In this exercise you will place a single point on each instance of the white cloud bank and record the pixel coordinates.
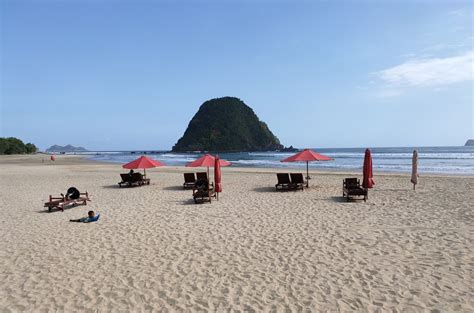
(431, 72)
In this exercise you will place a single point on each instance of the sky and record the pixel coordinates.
(126, 75)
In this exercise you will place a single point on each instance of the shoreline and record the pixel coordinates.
(67, 159)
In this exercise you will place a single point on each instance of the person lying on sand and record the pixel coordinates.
(90, 218)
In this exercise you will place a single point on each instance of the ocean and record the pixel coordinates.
(443, 160)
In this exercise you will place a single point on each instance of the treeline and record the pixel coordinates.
(14, 145)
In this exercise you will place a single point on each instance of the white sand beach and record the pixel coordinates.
(253, 250)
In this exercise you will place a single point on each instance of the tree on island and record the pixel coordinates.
(12, 145)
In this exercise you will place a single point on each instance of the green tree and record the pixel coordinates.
(14, 145)
(3, 145)
(31, 148)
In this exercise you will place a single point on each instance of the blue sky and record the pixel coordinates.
(118, 75)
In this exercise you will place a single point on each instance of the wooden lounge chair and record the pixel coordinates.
(138, 178)
(64, 201)
(297, 181)
(203, 191)
(351, 188)
(135, 179)
(202, 175)
(189, 180)
(126, 179)
(284, 182)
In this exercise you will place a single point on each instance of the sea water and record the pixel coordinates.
(448, 160)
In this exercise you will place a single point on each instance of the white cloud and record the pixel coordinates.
(430, 71)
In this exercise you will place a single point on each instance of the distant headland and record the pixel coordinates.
(227, 124)
(67, 148)
(469, 142)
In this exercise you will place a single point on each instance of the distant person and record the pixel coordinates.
(53, 158)
(90, 218)
(130, 173)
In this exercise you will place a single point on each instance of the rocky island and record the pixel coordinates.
(68, 148)
(470, 142)
(226, 124)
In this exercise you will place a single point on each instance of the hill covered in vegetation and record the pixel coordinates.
(227, 124)
(68, 148)
(14, 145)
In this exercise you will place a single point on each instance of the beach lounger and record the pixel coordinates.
(136, 179)
(202, 175)
(126, 178)
(203, 191)
(63, 201)
(189, 180)
(297, 181)
(351, 188)
(284, 182)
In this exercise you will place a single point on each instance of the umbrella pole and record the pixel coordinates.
(307, 174)
(144, 172)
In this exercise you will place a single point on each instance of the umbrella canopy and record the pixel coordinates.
(414, 169)
(217, 176)
(368, 182)
(142, 162)
(207, 160)
(307, 155)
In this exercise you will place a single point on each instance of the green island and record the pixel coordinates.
(227, 124)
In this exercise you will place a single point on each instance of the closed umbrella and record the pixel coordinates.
(368, 182)
(414, 169)
(306, 156)
(207, 160)
(143, 162)
(217, 176)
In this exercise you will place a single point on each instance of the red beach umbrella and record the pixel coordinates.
(143, 162)
(207, 160)
(217, 176)
(307, 156)
(368, 182)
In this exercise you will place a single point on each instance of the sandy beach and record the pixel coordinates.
(253, 250)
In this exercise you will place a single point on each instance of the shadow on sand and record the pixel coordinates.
(191, 202)
(339, 199)
(54, 210)
(264, 189)
(342, 199)
(175, 188)
(115, 186)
